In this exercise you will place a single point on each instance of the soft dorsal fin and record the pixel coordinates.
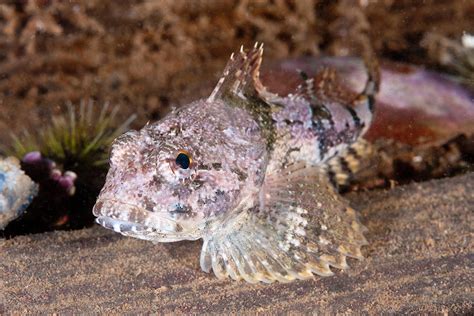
(241, 75)
(325, 86)
(299, 226)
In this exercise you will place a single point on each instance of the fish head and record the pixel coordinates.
(174, 179)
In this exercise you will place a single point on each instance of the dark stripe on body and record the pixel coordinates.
(261, 111)
(354, 116)
(371, 101)
(345, 166)
(320, 114)
(351, 151)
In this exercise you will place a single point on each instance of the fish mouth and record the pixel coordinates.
(120, 226)
(131, 220)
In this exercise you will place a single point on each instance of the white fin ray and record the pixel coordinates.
(298, 227)
(241, 77)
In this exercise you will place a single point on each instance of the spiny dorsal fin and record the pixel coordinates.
(241, 75)
(299, 226)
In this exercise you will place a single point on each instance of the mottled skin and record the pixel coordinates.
(414, 105)
(257, 188)
(314, 126)
(228, 156)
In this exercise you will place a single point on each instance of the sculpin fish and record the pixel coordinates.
(248, 171)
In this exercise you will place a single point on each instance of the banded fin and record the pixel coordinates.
(298, 227)
(327, 88)
(324, 87)
(344, 167)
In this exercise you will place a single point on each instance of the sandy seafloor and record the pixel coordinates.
(420, 260)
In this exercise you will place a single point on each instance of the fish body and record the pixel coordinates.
(247, 171)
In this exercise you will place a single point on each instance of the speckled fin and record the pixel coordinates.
(300, 227)
(326, 87)
(241, 77)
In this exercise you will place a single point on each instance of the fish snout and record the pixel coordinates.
(134, 220)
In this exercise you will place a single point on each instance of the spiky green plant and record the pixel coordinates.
(82, 136)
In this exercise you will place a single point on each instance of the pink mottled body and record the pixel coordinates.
(414, 106)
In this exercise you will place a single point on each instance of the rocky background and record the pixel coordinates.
(148, 55)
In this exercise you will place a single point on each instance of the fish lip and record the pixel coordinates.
(134, 221)
(114, 214)
(135, 230)
(120, 226)
(107, 207)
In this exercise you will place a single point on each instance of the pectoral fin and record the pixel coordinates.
(298, 227)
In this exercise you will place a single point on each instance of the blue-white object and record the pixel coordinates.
(17, 190)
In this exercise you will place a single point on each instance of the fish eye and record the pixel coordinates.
(183, 159)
